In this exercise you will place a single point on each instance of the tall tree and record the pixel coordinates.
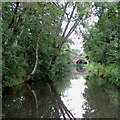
(34, 40)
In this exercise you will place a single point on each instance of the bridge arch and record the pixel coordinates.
(80, 73)
(75, 59)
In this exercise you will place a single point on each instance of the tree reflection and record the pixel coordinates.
(101, 101)
(61, 107)
(35, 101)
(80, 69)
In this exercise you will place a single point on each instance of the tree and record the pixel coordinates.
(34, 42)
(101, 44)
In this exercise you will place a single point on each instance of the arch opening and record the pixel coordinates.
(80, 58)
(80, 68)
(81, 61)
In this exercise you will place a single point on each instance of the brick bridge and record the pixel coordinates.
(75, 59)
(80, 58)
(80, 73)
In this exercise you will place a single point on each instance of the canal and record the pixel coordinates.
(84, 96)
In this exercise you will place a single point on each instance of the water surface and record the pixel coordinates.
(80, 99)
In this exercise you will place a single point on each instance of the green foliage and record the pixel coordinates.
(101, 43)
(110, 73)
(63, 66)
(76, 52)
(39, 21)
(28, 25)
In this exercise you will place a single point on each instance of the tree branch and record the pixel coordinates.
(63, 16)
(63, 35)
(69, 21)
(72, 29)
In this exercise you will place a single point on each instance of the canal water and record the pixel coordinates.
(82, 97)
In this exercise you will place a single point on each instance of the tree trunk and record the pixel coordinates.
(54, 59)
(36, 62)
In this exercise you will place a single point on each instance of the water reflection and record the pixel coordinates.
(80, 69)
(90, 98)
(35, 103)
(73, 97)
(80, 73)
(101, 99)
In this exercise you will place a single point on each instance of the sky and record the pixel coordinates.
(78, 39)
